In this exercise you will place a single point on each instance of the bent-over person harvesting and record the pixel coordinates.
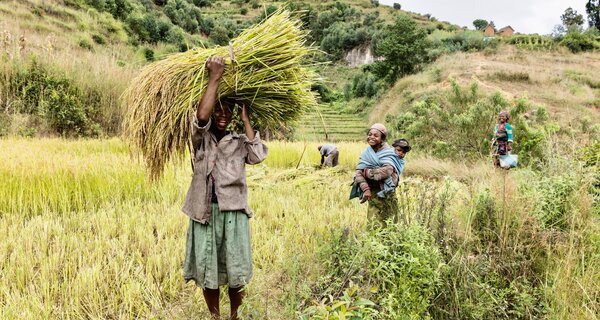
(218, 248)
(329, 155)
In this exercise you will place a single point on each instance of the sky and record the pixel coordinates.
(525, 16)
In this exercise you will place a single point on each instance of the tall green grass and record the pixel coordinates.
(84, 234)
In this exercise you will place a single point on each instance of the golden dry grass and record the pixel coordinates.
(84, 234)
(551, 84)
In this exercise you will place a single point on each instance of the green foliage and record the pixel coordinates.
(343, 36)
(583, 79)
(571, 18)
(269, 10)
(553, 208)
(397, 6)
(202, 3)
(459, 123)
(119, 9)
(149, 54)
(404, 262)
(400, 263)
(496, 271)
(404, 47)
(480, 24)
(531, 42)
(592, 7)
(85, 44)
(474, 288)
(349, 306)
(364, 85)
(591, 158)
(464, 40)
(485, 218)
(4, 124)
(578, 41)
(148, 27)
(99, 39)
(220, 35)
(184, 14)
(326, 94)
(66, 108)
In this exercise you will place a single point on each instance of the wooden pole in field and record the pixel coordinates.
(301, 156)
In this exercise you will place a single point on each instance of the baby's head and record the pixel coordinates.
(401, 147)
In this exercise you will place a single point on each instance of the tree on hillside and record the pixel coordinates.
(593, 10)
(571, 19)
(403, 46)
(480, 24)
(397, 6)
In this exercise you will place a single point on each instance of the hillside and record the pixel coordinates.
(565, 83)
(98, 47)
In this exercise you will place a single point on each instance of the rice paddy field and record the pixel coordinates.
(84, 234)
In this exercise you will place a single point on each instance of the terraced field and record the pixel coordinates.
(330, 125)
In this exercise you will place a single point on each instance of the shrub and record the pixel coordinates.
(184, 14)
(404, 47)
(465, 40)
(99, 39)
(85, 44)
(531, 42)
(364, 85)
(553, 206)
(400, 263)
(244, 11)
(4, 124)
(341, 37)
(459, 123)
(149, 54)
(65, 107)
(148, 27)
(220, 35)
(579, 41)
(404, 265)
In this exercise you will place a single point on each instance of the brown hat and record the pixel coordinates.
(380, 127)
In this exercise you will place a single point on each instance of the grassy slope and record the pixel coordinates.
(53, 31)
(557, 81)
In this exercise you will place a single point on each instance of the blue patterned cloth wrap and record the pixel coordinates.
(371, 159)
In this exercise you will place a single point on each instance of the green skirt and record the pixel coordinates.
(382, 209)
(219, 252)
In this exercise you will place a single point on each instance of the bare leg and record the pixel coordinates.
(211, 296)
(236, 295)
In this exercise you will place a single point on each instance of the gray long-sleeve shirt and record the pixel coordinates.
(223, 164)
(326, 149)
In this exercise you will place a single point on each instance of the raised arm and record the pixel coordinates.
(247, 125)
(215, 67)
(257, 151)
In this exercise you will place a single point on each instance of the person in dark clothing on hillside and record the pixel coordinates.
(503, 137)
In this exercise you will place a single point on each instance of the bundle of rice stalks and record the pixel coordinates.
(266, 71)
